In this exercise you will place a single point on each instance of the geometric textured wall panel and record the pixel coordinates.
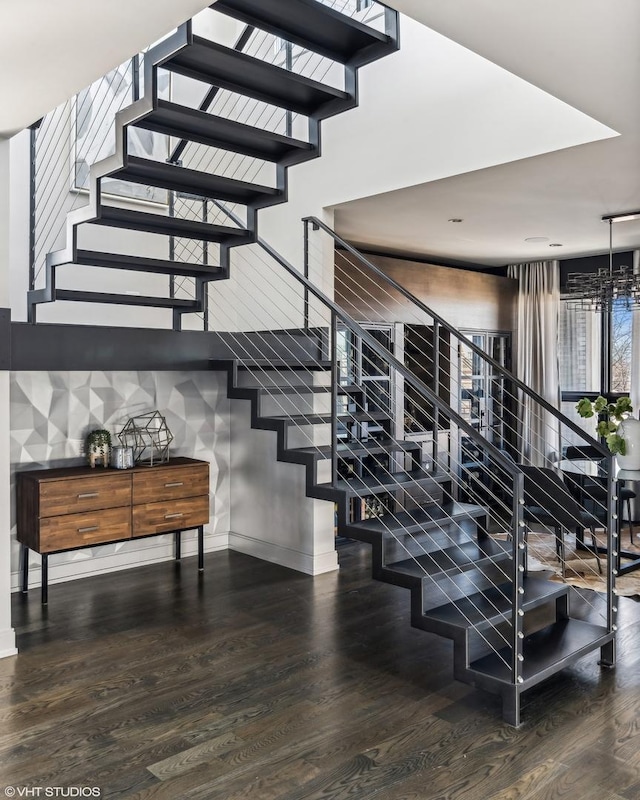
(51, 413)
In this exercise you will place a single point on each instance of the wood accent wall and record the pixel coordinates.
(467, 299)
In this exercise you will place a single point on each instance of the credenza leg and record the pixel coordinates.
(201, 548)
(45, 579)
(24, 555)
(177, 538)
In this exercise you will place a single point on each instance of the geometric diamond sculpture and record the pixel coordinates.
(149, 436)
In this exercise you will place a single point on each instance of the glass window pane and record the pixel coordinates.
(621, 324)
(579, 349)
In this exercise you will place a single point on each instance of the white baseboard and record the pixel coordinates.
(284, 556)
(8, 643)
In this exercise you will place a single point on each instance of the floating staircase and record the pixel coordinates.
(319, 29)
(466, 576)
(439, 550)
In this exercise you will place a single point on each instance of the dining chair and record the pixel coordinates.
(548, 502)
(594, 488)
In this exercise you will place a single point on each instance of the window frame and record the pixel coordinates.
(606, 339)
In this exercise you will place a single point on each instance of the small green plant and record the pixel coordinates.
(610, 415)
(97, 445)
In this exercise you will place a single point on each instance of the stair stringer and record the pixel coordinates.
(419, 615)
(116, 163)
(344, 528)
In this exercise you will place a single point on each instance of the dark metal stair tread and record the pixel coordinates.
(266, 391)
(243, 74)
(451, 559)
(492, 605)
(424, 517)
(360, 448)
(126, 299)
(301, 419)
(199, 126)
(141, 264)
(307, 23)
(170, 176)
(545, 652)
(159, 223)
(269, 364)
(371, 485)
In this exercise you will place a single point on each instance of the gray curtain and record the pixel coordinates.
(537, 359)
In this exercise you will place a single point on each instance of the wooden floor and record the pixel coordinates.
(258, 682)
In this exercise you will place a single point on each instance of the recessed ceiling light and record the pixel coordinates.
(456, 219)
(555, 244)
(537, 239)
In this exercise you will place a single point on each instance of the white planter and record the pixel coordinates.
(630, 432)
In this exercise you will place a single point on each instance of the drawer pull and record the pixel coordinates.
(87, 495)
(172, 485)
(172, 516)
(90, 529)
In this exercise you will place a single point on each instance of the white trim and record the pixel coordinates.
(284, 556)
(8, 643)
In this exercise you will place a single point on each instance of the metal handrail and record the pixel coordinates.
(496, 454)
(441, 321)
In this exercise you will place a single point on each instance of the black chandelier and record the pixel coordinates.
(600, 291)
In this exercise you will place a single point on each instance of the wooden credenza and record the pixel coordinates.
(69, 508)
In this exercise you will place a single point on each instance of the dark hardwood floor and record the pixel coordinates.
(257, 682)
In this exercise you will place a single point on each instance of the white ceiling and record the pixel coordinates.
(584, 52)
(587, 54)
(51, 49)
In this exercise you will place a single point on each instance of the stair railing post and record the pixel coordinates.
(519, 559)
(32, 203)
(205, 261)
(436, 389)
(288, 55)
(335, 380)
(614, 515)
(172, 243)
(306, 274)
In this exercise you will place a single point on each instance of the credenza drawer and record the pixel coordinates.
(170, 515)
(84, 494)
(168, 483)
(79, 530)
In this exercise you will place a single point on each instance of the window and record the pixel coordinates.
(594, 355)
(621, 341)
(362, 4)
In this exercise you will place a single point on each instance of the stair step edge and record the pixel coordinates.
(545, 652)
(540, 592)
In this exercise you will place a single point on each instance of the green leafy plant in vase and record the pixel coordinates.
(97, 447)
(610, 417)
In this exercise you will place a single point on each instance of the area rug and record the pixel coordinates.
(581, 566)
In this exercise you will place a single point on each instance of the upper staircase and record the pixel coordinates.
(441, 501)
(333, 42)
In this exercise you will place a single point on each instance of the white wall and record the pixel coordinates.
(51, 413)
(7, 635)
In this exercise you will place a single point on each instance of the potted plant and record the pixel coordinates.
(97, 445)
(616, 426)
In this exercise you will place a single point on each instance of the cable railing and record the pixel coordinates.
(245, 290)
(476, 383)
(64, 144)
